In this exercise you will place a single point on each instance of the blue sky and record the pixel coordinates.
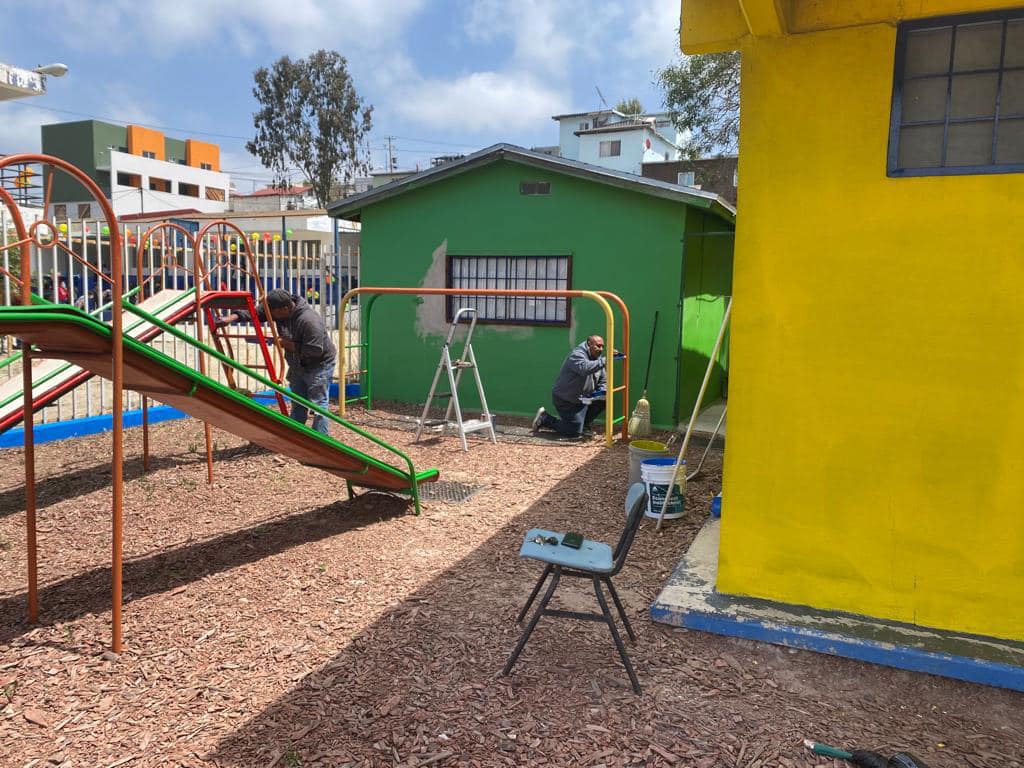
(443, 76)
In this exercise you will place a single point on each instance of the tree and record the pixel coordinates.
(310, 117)
(630, 106)
(702, 95)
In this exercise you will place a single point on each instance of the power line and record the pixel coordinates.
(134, 122)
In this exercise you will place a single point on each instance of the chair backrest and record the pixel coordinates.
(636, 503)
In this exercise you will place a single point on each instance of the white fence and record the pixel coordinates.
(301, 267)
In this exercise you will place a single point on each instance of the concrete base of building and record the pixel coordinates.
(690, 600)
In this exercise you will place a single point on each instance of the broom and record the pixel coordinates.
(640, 421)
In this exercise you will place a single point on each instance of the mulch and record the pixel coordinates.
(270, 621)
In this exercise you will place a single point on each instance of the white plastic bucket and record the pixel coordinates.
(656, 474)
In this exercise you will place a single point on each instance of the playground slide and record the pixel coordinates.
(53, 378)
(65, 333)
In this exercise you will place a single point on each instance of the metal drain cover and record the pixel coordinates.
(449, 490)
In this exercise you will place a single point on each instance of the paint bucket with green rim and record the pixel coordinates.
(639, 450)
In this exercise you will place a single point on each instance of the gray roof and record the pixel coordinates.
(351, 207)
(587, 114)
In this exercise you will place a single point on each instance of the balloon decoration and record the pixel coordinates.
(233, 248)
(276, 237)
(105, 230)
(288, 232)
(266, 237)
(63, 228)
(255, 236)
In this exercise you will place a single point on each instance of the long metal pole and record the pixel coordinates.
(696, 411)
(117, 397)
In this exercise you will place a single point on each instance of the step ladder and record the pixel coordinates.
(454, 369)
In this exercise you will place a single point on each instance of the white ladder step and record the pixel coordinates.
(472, 425)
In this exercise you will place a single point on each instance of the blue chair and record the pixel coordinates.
(593, 560)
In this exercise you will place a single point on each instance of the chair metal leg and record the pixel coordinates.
(533, 623)
(533, 595)
(615, 635)
(618, 605)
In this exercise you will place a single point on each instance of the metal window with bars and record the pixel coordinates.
(958, 96)
(511, 272)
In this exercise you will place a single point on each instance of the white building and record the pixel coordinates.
(615, 140)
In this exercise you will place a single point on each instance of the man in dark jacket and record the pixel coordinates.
(582, 375)
(308, 350)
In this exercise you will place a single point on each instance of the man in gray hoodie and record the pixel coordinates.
(582, 375)
(308, 350)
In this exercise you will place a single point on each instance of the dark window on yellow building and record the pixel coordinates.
(552, 273)
(958, 96)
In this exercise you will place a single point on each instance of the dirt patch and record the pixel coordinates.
(269, 621)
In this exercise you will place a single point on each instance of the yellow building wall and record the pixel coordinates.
(876, 411)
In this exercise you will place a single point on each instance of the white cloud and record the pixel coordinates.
(19, 129)
(481, 101)
(163, 28)
(653, 37)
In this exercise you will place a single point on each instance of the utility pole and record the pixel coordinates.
(392, 160)
(142, 199)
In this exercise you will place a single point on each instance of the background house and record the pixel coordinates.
(876, 425)
(612, 139)
(509, 217)
(712, 174)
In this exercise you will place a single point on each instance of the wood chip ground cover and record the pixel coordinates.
(269, 621)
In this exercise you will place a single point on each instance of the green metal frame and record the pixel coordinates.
(67, 314)
(39, 300)
(95, 314)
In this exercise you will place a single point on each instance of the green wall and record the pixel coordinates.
(706, 288)
(619, 240)
(85, 144)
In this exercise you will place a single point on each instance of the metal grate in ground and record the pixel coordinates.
(449, 490)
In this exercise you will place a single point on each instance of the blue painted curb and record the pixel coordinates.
(899, 656)
(95, 425)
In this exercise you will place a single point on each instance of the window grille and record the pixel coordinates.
(511, 272)
(958, 96)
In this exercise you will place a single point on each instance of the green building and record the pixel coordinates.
(506, 217)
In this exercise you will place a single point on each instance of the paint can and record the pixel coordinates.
(657, 476)
(716, 505)
(640, 450)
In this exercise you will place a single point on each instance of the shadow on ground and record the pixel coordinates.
(89, 592)
(420, 686)
(83, 481)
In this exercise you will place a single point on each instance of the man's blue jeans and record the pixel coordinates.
(314, 385)
(574, 416)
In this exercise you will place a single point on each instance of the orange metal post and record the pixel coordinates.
(26, 386)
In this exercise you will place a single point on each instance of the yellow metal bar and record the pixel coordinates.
(594, 296)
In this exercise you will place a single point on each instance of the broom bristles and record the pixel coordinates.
(640, 421)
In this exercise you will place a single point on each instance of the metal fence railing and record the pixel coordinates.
(301, 267)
